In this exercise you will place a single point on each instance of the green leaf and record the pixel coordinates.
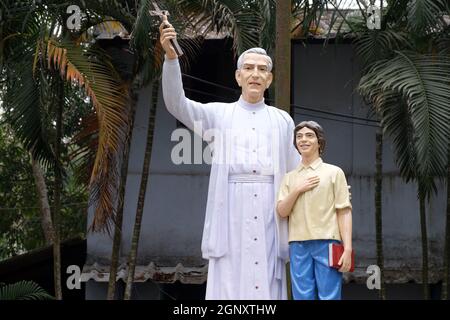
(23, 290)
(373, 45)
(239, 18)
(425, 16)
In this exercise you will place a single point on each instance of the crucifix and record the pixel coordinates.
(160, 13)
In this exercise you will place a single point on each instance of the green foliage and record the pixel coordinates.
(21, 92)
(379, 44)
(17, 189)
(426, 16)
(244, 20)
(143, 42)
(36, 53)
(20, 225)
(407, 79)
(422, 81)
(23, 290)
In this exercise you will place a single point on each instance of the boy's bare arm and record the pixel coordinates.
(345, 228)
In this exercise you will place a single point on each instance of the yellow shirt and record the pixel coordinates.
(314, 213)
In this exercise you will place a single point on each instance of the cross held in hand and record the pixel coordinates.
(158, 11)
(161, 13)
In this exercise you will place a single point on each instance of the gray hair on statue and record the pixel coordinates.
(260, 51)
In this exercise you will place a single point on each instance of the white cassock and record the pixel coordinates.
(244, 239)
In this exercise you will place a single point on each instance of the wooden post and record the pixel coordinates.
(283, 56)
(283, 73)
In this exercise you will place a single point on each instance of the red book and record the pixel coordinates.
(335, 251)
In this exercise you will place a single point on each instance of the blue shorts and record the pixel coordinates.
(311, 277)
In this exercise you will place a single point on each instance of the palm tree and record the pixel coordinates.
(146, 68)
(37, 55)
(46, 217)
(58, 185)
(371, 46)
(406, 82)
(409, 94)
(142, 192)
(378, 210)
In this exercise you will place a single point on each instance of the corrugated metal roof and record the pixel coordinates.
(143, 273)
(110, 30)
(198, 275)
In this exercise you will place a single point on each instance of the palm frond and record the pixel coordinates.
(425, 16)
(373, 45)
(268, 26)
(24, 97)
(422, 81)
(396, 14)
(144, 43)
(86, 142)
(145, 26)
(442, 41)
(236, 17)
(396, 123)
(23, 290)
(109, 97)
(309, 14)
(23, 105)
(118, 10)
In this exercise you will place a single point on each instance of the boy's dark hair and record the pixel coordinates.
(318, 130)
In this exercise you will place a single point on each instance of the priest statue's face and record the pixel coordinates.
(254, 77)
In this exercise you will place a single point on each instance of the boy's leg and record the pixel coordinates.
(329, 280)
(302, 271)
